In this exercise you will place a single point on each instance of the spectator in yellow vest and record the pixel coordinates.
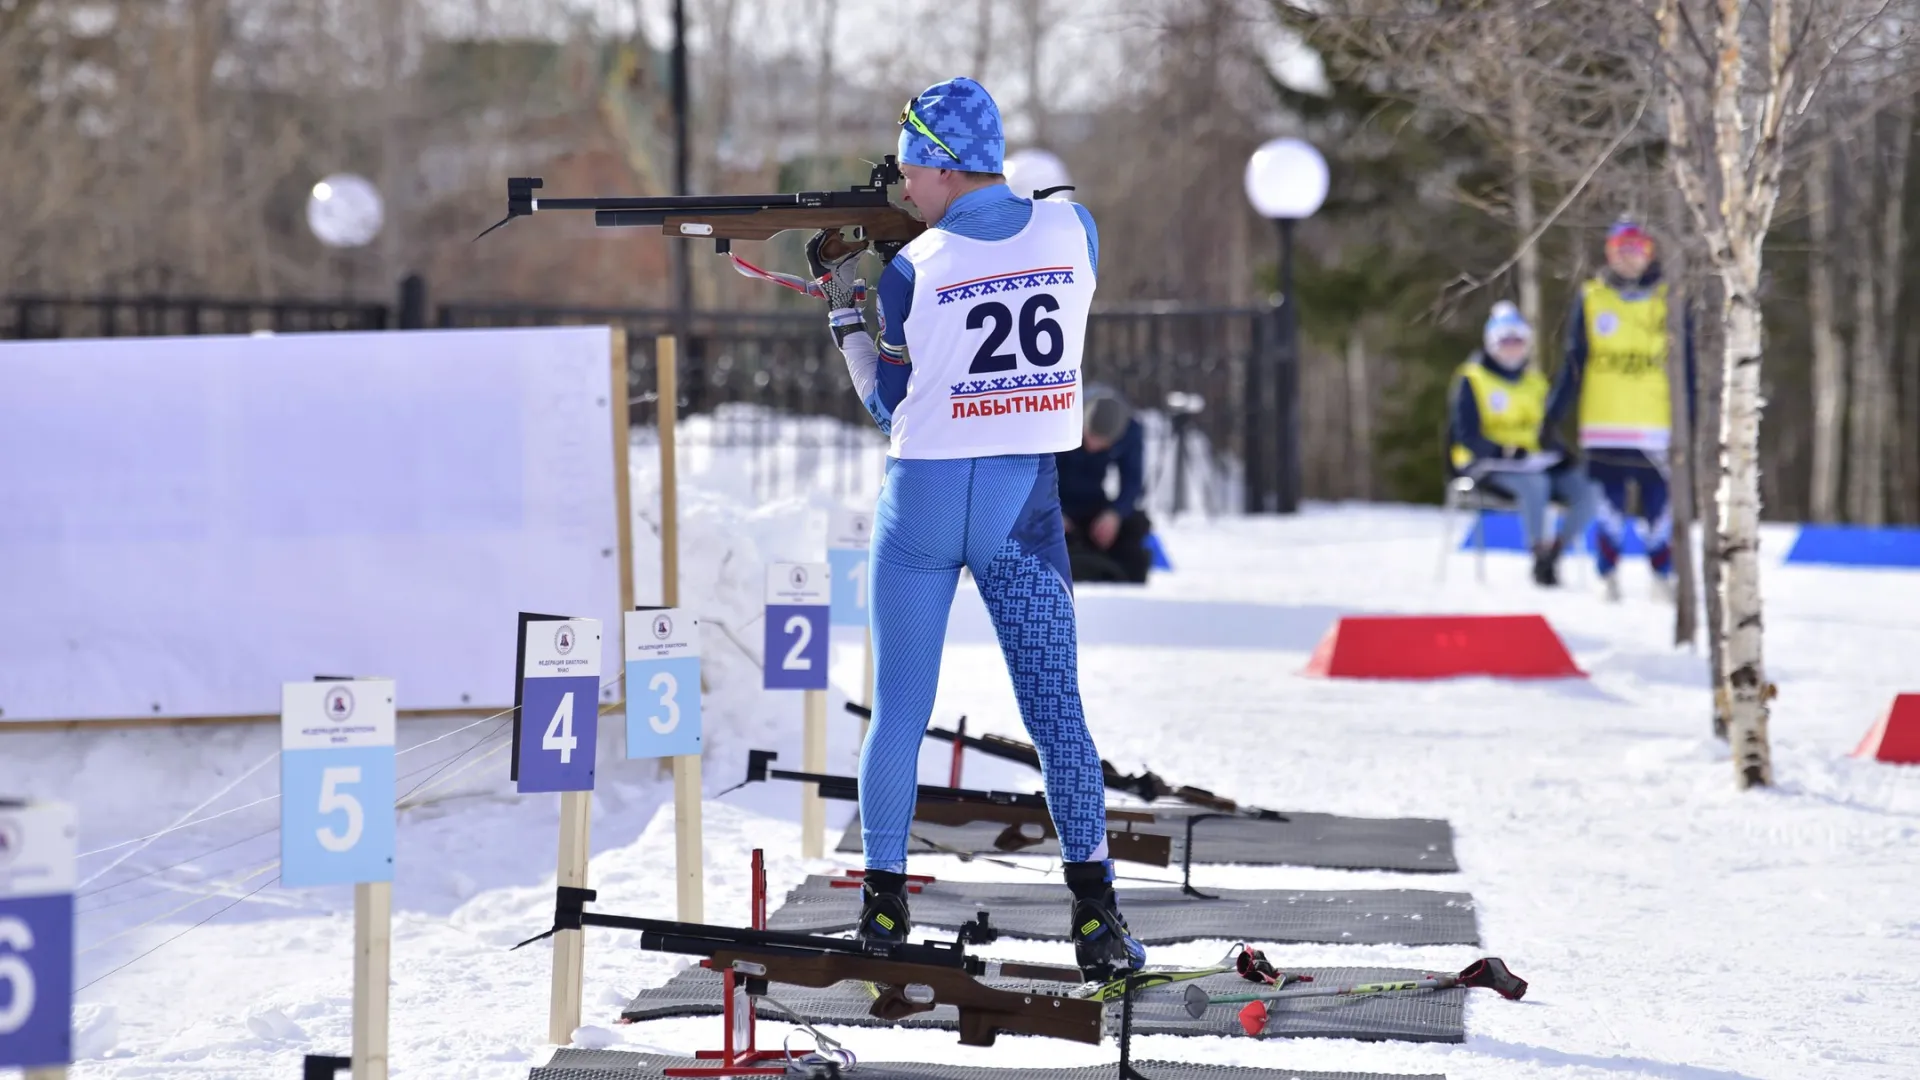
(1615, 377)
(1499, 403)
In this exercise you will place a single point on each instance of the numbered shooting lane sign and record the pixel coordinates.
(849, 533)
(797, 626)
(663, 683)
(336, 782)
(37, 841)
(559, 718)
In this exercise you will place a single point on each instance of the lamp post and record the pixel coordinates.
(1286, 180)
(345, 211)
(1032, 170)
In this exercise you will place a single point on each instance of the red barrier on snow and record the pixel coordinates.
(1896, 738)
(1442, 647)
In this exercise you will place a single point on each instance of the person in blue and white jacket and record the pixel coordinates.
(976, 378)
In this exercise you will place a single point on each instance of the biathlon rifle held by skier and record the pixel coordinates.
(862, 213)
(910, 977)
(1145, 785)
(1025, 815)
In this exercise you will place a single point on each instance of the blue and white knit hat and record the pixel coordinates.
(953, 125)
(1505, 322)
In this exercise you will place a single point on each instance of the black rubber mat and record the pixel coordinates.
(1162, 916)
(1414, 845)
(570, 1064)
(1412, 1016)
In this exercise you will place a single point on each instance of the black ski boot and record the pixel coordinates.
(1546, 564)
(1102, 945)
(883, 915)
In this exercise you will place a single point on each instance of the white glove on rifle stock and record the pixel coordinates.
(834, 262)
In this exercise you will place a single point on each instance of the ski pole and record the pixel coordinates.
(1490, 972)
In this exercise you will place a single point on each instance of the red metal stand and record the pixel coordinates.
(959, 752)
(853, 879)
(738, 1056)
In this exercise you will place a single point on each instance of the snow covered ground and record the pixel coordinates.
(1671, 927)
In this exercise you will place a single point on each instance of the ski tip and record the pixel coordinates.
(1492, 973)
(1253, 1018)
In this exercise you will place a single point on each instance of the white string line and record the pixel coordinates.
(146, 840)
(179, 825)
(450, 777)
(216, 914)
(219, 889)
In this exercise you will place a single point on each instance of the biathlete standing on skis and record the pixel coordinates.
(976, 379)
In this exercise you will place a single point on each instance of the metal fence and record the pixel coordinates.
(767, 394)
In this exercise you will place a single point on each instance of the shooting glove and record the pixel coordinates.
(835, 263)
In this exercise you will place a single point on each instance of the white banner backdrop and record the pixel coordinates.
(187, 523)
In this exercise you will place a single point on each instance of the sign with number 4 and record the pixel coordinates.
(663, 683)
(37, 842)
(849, 533)
(559, 721)
(336, 782)
(797, 627)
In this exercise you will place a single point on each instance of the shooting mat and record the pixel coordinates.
(1412, 1016)
(1161, 916)
(570, 1064)
(1415, 845)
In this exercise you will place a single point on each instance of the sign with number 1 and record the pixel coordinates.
(663, 683)
(336, 782)
(797, 627)
(37, 841)
(849, 533)
(559, 721)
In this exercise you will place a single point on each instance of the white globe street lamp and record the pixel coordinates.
(1286, 180)
(1032, 170)
(345, 211)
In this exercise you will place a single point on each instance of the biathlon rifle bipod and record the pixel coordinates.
(909, 977)
(1026, 817)
(1145, 785)
(862, 212)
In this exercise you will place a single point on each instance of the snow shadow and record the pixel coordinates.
(1110, 618)
(1638, 1066)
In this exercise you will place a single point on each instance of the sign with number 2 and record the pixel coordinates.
(559, 720)
(336, 782)
(797, 627)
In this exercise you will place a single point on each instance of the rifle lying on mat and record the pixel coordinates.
(1145, 785)
(1489, 972)
(1027, 819)
(910, 978)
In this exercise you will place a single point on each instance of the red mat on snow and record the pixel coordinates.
(1442, 647)
(1896, 738)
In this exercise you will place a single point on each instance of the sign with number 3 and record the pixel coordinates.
(336, 782)
(663, 683)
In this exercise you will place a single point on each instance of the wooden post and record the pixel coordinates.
(372, 978)
(813, 757)
(688, 851)
(569, 946)
(622, 475)
(56, 1072)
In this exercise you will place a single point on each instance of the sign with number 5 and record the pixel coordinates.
(797, 626)
(663, 683)
(336, 782)
(558, 726)
(37, 843)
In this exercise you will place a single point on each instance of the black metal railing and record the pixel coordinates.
(766, 395)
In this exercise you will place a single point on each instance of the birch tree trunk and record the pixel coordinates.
(1829, 372)
(1709, 463)
(1739, 497)
(1679, 456)
(1893, 241)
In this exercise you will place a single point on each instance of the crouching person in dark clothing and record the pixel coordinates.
(1106, 538)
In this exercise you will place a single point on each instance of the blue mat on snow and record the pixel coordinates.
(1503, 534)
(1853, 545)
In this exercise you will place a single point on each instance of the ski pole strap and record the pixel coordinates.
(1253, 966)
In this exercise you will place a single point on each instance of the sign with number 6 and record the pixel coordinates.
(336, 782)
(663, 683)
(37, 842)
(797, 626)
(558, 726)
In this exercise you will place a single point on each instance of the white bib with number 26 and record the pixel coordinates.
(994, 335)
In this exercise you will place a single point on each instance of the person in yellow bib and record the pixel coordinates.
(1614, 376)
(1499, 403)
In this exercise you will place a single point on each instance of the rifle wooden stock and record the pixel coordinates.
(985, 1011)
(886, 224)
